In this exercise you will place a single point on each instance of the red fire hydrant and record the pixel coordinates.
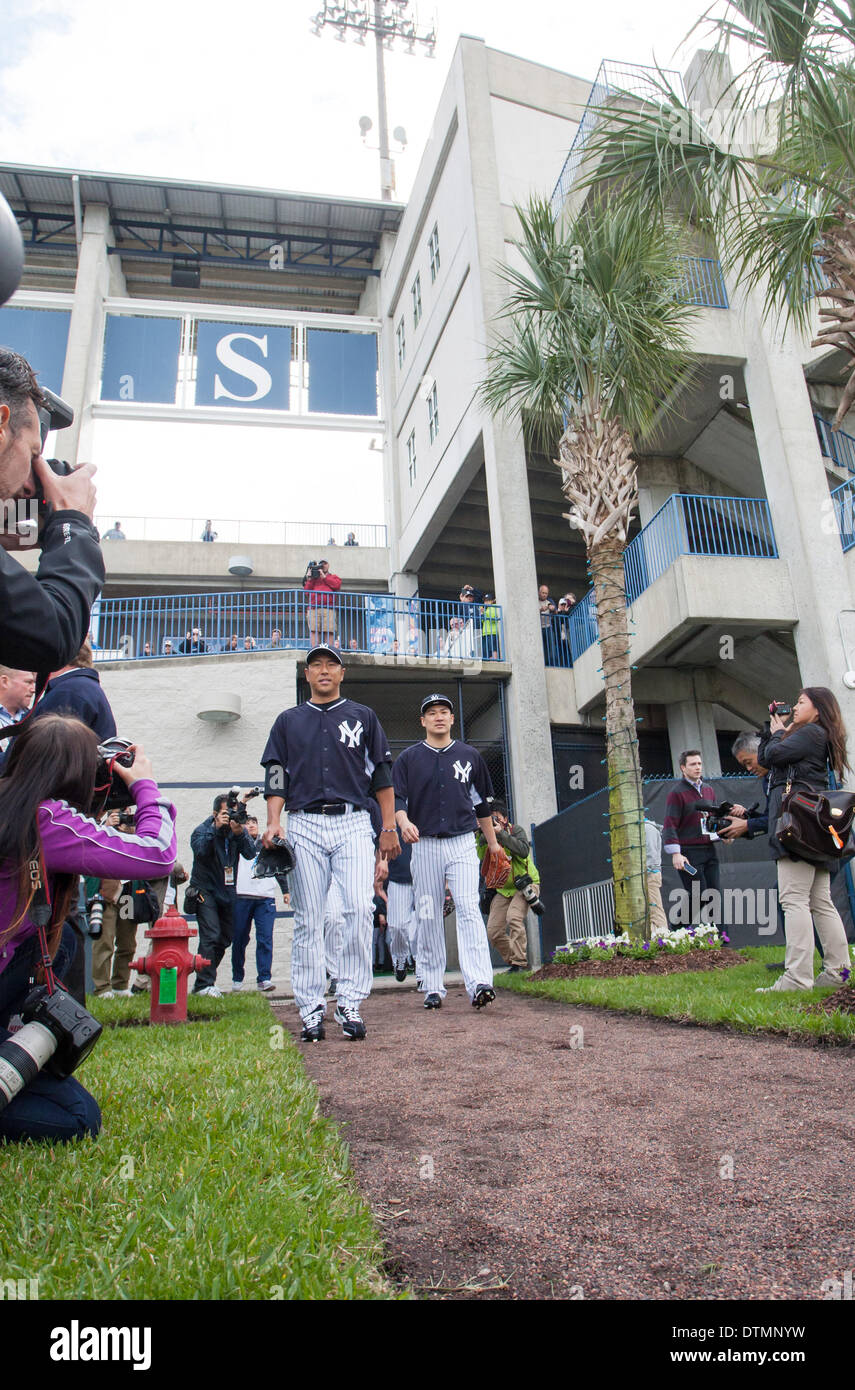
(169, 963)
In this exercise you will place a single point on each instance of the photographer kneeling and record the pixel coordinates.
(799, 752)
(46, 828)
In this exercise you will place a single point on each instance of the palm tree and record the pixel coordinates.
(770, 173)
(594, 341)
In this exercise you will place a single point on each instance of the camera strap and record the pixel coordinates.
(39, 911)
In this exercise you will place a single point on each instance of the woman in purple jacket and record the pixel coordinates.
(46, 794)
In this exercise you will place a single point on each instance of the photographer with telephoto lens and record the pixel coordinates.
(48, 835)
(798, 745)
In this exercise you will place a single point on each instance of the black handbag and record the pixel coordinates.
(816, 825)
(192, 898)
(138, 901)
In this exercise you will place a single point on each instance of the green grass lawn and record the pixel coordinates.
(704, 996)
(213, 1177)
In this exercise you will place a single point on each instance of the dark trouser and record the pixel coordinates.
(263, 912)
(704, 859)
(215, 922)
(47, 1108)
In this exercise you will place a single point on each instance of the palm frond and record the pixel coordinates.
(594, 326)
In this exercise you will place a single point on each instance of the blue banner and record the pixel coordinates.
(342, 372)
(40, 335)
(140, 359)
(243, 364)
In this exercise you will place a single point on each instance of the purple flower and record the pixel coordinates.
(725, 937)
(844, 974)
(645, 946)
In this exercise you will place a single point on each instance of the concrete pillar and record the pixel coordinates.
(799, 502)
(98, 275)
(691, 725)
(511, 538)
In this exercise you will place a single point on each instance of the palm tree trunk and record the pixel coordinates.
(626, 806)
(837, 254)
(600, 482)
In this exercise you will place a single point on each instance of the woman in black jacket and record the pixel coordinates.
(802, 751)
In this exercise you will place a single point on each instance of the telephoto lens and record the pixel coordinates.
(95, 914)
(58, 1034)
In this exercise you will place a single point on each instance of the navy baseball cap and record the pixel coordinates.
(324, 650)
(436, 700)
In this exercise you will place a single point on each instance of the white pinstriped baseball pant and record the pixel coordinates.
(403, 921)
(327, 848)
(333, 927)
(455, 860)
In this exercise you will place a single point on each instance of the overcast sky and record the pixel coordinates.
(245, 94)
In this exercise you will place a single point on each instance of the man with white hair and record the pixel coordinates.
(16, 694)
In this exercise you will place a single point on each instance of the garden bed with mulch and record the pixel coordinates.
(842, 1000)
(658, 964)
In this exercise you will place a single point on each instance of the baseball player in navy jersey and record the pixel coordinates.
(324, 760)
(442, 788)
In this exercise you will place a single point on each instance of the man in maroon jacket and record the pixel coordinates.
(320, 585)
(685, 836)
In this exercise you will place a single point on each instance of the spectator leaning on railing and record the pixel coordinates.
(320, 586)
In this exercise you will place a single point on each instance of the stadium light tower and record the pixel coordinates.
(387, 20)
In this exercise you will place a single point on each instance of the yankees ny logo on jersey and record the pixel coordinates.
(352, 735)
(461, 773)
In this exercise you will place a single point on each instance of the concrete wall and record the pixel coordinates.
(190, 565)
(157, 703)
(694, 591)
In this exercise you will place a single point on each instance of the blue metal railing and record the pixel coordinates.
(264, 620)
(836, 445)
(701, 282)
(843, 499)
(686, 524)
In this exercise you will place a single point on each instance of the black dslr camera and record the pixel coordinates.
(525, 884)
(111, 793)
(718, 818)
(237, 805)
(57, 1035)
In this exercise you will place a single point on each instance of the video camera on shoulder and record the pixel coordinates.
(313, 570)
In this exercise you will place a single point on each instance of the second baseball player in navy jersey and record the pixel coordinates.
(324, 760)
(442, 793)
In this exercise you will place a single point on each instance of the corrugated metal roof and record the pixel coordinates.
(278, 210)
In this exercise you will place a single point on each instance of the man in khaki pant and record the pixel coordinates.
(508, 910)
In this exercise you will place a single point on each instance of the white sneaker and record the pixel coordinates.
(123, 994)
(782, 986)
(211, 991)
(107, 994)
(828, 979)
(237, 986)
(265, 985)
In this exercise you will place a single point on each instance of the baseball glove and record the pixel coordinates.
(495, 868)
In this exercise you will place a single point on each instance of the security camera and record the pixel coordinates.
(849, 680)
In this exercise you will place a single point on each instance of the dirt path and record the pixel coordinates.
(502, 1157)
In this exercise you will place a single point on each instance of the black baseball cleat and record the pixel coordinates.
(432, 1001)
(313, 1027)
(351, 1023)
(411, 965)
(401, 975)
(483, 996)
